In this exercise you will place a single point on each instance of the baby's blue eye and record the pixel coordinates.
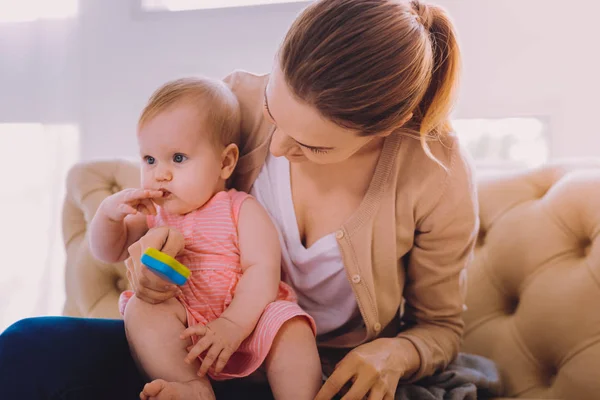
(179, 158)
(149, 160)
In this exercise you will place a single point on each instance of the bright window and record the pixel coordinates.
(505, 142)
(32, 10)
(35, 163)
(184, 5)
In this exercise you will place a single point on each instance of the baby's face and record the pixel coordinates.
(180, 159)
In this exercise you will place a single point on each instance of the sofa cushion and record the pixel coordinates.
(534, 286)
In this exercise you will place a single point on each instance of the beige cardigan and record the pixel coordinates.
(410, 238)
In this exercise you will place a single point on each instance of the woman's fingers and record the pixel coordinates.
(173, 243)
(144, 277)
(168, 240)
(130, 277)
(150, 280)
(360, 388)
(155, 237)
(379, 392)
(147, 285)
(344, 372)
(154, 297)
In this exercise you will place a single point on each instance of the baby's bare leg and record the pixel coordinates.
(153, 334)
(293, 365)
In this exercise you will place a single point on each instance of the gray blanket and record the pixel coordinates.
(469, 377)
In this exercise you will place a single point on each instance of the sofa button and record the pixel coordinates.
(339, 234)
(356, 278)
(377, 327)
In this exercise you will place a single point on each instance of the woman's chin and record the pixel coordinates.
(296, 159)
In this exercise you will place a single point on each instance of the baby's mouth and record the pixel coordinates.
(165, 193)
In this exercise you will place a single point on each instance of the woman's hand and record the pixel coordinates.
(148, 286)
(372, 371)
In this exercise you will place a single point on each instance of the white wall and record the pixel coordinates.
(39, 66)
(521, 57)
(127, 54)
(533, 57)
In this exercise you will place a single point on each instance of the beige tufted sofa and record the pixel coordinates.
(533, 289)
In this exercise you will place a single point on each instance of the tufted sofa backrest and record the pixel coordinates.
(92, 287)
(534, 286)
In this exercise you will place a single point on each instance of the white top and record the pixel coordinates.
(316, 274)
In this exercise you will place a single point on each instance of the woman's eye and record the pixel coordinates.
(318, 151)
(179, 158)
(149, 160)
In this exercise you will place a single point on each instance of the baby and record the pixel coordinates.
(233, 315)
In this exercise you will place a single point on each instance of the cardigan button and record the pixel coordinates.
(356, 278)
(377, 327)
(339, 234)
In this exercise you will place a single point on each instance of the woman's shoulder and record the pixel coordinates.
(428, 180)
(243, 81)
(249, 89)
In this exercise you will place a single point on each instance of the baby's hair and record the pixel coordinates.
(214, 100)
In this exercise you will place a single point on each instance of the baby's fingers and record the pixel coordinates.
(196, 330)
(127, 209)
(140, 194)
(222, 360)
(146, 207)
(149, 206)
(143, 209)
(199, 348)
(209, 360)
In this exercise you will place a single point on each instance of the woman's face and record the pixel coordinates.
(301, 133)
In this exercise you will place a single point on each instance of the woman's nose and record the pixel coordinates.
(281, 143)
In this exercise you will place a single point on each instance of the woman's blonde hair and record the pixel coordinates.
(367, 65)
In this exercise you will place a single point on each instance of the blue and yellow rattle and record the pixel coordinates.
(165, 266)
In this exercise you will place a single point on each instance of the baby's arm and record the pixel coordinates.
(119, 222)
(261, 263)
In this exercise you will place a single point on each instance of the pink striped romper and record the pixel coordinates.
(212, 254)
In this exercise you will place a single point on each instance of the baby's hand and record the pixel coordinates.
(220, 337)
(129, 201)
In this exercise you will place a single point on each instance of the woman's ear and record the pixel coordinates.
(229, 159)
(404, 121)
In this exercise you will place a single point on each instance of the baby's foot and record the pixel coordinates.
(162, 390)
